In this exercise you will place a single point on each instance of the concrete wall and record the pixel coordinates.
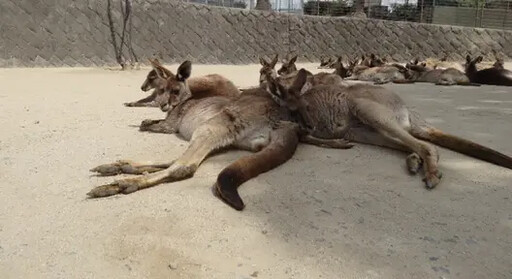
(76, 33)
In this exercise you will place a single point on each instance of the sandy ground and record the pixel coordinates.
(324, 214)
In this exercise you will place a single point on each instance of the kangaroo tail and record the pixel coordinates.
(463, 146)
(282, 146)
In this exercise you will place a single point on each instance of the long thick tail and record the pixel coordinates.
(282, 146)
(463, 146)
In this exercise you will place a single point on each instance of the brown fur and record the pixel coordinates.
(252, 122)
(380, 74)
(374, 115)
(449, 76)
(326, 63)
(160, 78)
(491, 76)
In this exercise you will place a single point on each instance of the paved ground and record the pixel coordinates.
(325, 214)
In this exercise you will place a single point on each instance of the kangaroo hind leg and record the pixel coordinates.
(368, 135)
(205, 140)
(393, 124)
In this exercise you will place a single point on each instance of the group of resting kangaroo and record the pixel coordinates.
(291, 106)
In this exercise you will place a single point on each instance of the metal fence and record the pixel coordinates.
(473, 13)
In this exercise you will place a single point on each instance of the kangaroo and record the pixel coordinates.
(160, 77)
(374, 115)
(380, 74)
(252, 122)
(443, 63)
(372, 60)
(499, 64)
(449, 76)
(491, 76)
(289, 70)
(288, 66)
(326, 63)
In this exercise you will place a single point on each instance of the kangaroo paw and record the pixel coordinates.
(125, 186)
(126, 167)
(145, 124)
(432, 179)
(414, 163)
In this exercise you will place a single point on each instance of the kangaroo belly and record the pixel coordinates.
(202, 111)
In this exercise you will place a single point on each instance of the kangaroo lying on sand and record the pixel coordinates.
(252, 122)
(449, 76)
(326, 63)
(159, 76)
(289, 70)
(492, 76)
(374, 115)
(381, 74)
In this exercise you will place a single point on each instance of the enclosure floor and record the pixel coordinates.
(325, 214)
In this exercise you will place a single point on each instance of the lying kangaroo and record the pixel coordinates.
(252, 122)
(381, 74)
(326, 63)
(443, 63)
(449, 76)
(288, 66)
(372, 60)
(491, 76)
(374, 115)
(160, 77)
(289, 71)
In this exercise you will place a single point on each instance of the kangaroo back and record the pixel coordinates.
(283, 142)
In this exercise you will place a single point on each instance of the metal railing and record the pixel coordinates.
(473, 13)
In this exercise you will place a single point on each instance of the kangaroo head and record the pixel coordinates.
(376, 61)
(176, 86)
(471, 63)
(340, 69)
(267, 68)
(326, 63)
(288, 66)
(372, 61)
(157, 77)
(499, 64)
(286, 94)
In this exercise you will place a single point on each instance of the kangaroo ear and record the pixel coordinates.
(299, 82)
(184, 71)
(479, 59)
(444, 58)
(372, 56)
(416, 60)
(293, 60)
(263, 62)
(274, 61)
(468, 59)
(339, 59)
(160, 70)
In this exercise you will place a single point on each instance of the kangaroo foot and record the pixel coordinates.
(432, 179)
(129, 185)
(127, 167)
(414, 163)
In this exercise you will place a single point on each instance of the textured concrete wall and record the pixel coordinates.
(76, 33)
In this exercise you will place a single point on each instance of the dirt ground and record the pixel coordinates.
(325, 214)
